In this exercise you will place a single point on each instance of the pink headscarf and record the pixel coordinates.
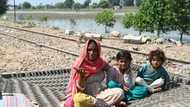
(89, 66)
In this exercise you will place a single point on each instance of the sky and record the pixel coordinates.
(37, 2)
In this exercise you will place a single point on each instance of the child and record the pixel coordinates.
(126, 78)
(153, 75)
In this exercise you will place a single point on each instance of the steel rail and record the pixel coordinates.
(40, 45)
(104, 46)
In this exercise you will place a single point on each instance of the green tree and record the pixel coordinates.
(19, 6)
(153, 15)
(94, 5)
(114, 2)
(105, 18)
(77, 6)
(182, 17)
(154, 10)
(161, 16)
(137, 2)
(137, 21)
(33, 7)
(128, 20)
(128, 2)
(40, 6)
(26, 5)
(86, 3)
(140, 23)
(104, 4)
(49, 6)
(3, 6)
(68, 3)
(60, 5)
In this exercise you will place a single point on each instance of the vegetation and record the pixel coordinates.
(128, 2)
(137, 2)
(95, 5)
(182, 17)
(160, 16)
(68, 3)
(86, 3)
(135, 20)
(153, 15)
(77, 6)
(128, 20)
(72, 4)
(3, 6)
(26, 5)
(104, 4)
(154, 11)
(44, 20)
(28, 20)
(114, 2)
(60, 5)
(105, 18)
(28, 17)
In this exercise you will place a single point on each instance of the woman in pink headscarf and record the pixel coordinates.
(89, 76)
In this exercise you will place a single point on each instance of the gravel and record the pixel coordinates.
(19, 56)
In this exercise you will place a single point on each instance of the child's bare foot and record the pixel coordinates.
(156, 90)
(121, 104)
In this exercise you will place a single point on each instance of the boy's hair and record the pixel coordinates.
(158, 53)
(124, 54)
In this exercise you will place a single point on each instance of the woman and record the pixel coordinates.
(89, 76)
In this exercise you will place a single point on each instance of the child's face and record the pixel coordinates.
(123, 64)
(156, 62)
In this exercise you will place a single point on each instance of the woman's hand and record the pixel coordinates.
(82, 79)
(81, 72)
(125, 88)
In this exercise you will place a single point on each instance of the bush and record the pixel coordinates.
(3, 6)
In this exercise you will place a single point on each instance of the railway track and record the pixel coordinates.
(40, 45)
(47, 87)
(72, 42)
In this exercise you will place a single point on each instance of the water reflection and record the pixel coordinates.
(72, 23)
(89, 25)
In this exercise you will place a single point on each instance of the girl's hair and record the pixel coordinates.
(124, 54)
(158, 53)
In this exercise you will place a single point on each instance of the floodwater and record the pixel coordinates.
(85, 22)
(89, 25)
